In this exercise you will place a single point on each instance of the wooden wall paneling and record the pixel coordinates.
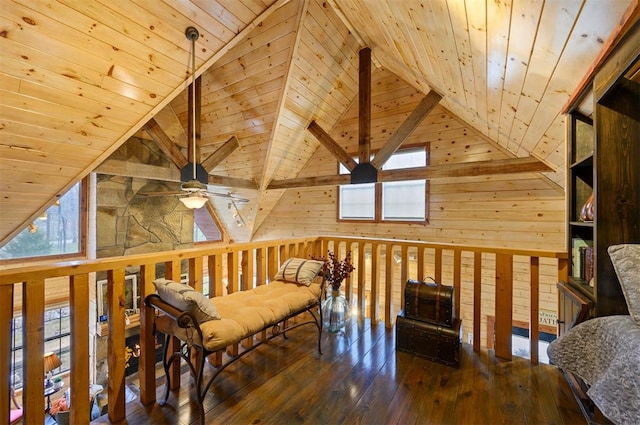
(503, 309)
(79, 377)
(146, 363)
(116, 345)
(6, 321)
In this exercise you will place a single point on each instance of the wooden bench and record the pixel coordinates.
(242, 315)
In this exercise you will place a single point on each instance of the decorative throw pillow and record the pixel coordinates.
(185, 298)
(299, 270)
(626, 262)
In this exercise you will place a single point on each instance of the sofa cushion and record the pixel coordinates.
(299, 270)
(626, 262)
(185, 298)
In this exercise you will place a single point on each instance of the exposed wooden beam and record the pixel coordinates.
(332, 146)
(220, 154)
(364, 106)
(165, 144)
(310, 182)
(464, 169)
(425, 106)
(217, 180)
(467, 169)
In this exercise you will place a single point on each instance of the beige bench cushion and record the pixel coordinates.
(247, 312)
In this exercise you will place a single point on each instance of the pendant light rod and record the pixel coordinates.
(192, 34)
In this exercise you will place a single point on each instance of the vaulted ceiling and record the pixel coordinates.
(79, 78)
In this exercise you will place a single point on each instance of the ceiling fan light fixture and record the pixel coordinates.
(194, 201)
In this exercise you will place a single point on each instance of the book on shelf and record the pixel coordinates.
(581, 250)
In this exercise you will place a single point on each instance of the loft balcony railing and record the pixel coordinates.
(487, 281)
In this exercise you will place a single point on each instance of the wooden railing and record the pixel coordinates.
(375, 289)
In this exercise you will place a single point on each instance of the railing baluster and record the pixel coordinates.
(362, 275)
(146, 365)
(6, 319)
(195, 273)
(116, 345)
(374, 302)
(438, 265)
(504, 305)
(388, 284)
(232, 272)
(477, 299)
(79, 379)
(261, 266)
(534, 334)
(216, 285)
(33, 344)
(457, 279)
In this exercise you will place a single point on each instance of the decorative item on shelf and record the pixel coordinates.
(58, 383)
(51, 362)
(586, 213)
(335, 309)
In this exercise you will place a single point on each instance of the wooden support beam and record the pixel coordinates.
(430, 172)
(165, 144)
(332, 146)
(425, 106)
(221, 153)
(310, 182)
(216, 180)
(364, 106)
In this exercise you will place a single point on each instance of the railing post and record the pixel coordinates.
(504, 301)
(216, 288)
(146, 365)
(79, 380)
(116, 350)
(261, 267)
(232, 272)
(195, 273)
(404, 271)
(33, 344)
(6, 318)
(457, 273)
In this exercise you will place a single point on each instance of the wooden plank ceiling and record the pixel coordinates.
(78, 78)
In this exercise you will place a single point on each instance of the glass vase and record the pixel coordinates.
(334, 312)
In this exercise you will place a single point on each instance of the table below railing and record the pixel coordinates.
(479, 274)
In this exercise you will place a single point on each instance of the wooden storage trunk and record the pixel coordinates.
(430, 302)
(435, 342)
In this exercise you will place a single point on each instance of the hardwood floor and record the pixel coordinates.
(360, 379)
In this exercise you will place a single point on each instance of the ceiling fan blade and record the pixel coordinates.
(166, 193)
(225, 196)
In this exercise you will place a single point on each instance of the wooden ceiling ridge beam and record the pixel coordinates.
(430, 172)
(165, 144)
(220, 154)
(426, 105)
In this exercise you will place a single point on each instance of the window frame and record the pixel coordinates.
(377, 216)
(83, 228)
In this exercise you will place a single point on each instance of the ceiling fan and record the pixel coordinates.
(193, 175)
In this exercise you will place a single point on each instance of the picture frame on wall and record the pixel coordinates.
(131, 297)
